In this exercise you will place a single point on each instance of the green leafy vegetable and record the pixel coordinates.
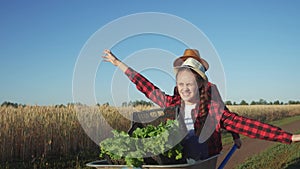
(151, 140)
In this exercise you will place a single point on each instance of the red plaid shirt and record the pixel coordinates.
(217, 111)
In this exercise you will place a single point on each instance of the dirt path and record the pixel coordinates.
(251, 147)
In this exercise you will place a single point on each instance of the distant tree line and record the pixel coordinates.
(15, 105)
(131, 103)
(262, 102)
(124, 104)
(137, 103)
(148, 103)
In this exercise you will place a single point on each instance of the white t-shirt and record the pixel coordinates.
(188, 116)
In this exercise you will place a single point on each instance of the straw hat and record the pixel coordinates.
(191, 59)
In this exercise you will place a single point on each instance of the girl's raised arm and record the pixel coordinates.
(110, 57)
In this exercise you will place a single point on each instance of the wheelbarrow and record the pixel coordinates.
(155, 117)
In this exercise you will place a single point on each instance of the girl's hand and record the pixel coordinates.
(110, 57)
(296, 138)
(238, 142)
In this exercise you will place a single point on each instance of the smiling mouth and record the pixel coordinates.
(185, 94)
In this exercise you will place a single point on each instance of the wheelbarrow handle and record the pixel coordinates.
(229, 154)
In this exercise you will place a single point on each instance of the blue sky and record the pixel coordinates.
(257, 42)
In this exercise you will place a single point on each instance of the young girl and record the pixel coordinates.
(200, 101)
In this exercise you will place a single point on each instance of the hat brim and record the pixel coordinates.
(178, 62)
(196, 70)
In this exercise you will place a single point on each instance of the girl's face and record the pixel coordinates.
(187, 87)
